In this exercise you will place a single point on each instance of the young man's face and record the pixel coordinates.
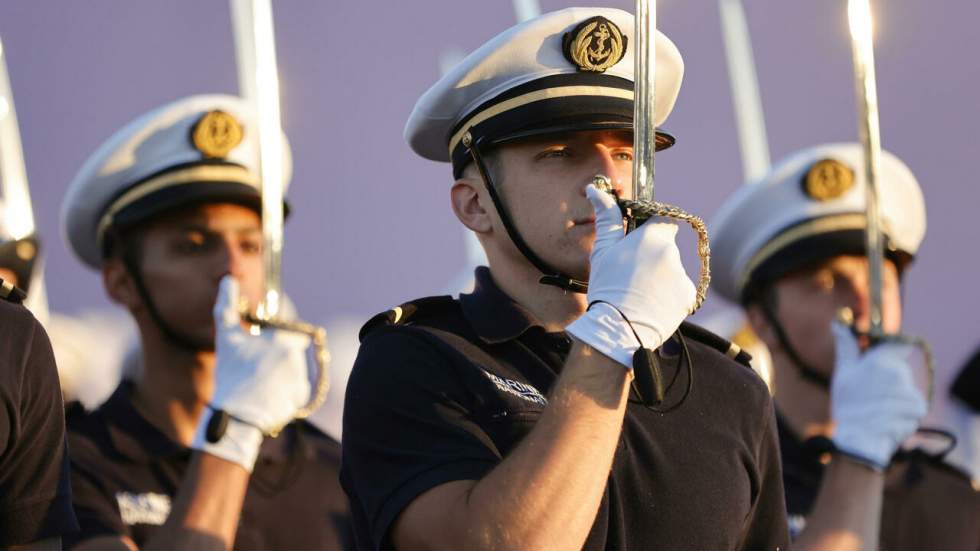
(808, 300)
(542, 182)
(184, 255)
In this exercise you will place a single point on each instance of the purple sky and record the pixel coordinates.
(371, 224)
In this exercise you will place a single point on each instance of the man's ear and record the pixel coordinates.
(119, 284)
(470, 203)
(761, 326)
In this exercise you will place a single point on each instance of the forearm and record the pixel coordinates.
(206, 508)
(847, 513)
(546, 493)
(50, 544)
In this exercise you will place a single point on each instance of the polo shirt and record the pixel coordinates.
(443, 389)
(126, 473)
(35, 493)
(927, 504)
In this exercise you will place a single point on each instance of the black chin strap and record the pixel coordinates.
(131, 262)
(551, 276)
(804, 368)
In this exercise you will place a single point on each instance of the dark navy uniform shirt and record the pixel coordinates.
(927, 504)
(443, 390)
(35, 495)
(126, 472)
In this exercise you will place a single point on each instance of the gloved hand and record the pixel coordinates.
(260, 381)
(640, 274)
(875, 403)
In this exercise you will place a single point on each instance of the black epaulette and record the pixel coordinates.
(10, 293)
(724, 346)
(409, 313)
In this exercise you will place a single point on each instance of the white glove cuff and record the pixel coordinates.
(603, 328)
(240, 443)
(875, 452)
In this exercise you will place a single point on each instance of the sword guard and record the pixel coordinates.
(638, 212)
(846, 317)
(219, 419)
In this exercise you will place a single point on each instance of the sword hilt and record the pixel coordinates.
(846, 317)
(219, 419)
(638, 212)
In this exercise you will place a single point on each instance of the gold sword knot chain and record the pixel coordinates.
(846, 317)
(318, 336)
(641, 211)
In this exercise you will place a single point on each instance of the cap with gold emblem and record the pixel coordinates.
(198, 149)
(567, 70)
(808, 207)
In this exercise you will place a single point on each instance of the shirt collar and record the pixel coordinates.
(493, 315)
(131, 434)
(138, 439)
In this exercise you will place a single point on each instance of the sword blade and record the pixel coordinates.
(862, 45)
(18, 217)
(645, 70)
(749, 116)
(526, 9)
(255, 48)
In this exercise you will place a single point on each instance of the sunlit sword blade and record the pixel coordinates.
(749, 116)
(859, 17)
(526, 9)
(259, 82)
(19, 215)
(645, 70)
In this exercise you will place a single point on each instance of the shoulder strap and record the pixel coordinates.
(726, 347)
(415, 312)
(10, 293)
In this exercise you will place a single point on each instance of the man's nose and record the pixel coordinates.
(230, 260)
(859, 301)
(606, 165)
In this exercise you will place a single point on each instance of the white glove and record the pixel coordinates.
(640, 274)
(875, 402)
(260, 381)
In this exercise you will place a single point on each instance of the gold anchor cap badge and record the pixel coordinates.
(216, 133)
(594, 45)
(828, 179)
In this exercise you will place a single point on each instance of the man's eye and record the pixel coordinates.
(824, 280)
(556, 153)
(251, 246)
(623, 156)
(191, 243)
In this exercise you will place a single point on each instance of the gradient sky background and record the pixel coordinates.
(371, 224)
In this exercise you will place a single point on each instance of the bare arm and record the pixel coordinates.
(51, 544)
(205, 512)
(546, 493)
(847, 513)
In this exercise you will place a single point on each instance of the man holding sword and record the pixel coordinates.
(511, 418)
(167, 209)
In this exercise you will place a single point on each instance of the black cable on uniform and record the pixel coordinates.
(647, 372)
(550, 276)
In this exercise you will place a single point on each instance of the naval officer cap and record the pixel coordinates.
(195, 150)
(563, 71)
(809, 207)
